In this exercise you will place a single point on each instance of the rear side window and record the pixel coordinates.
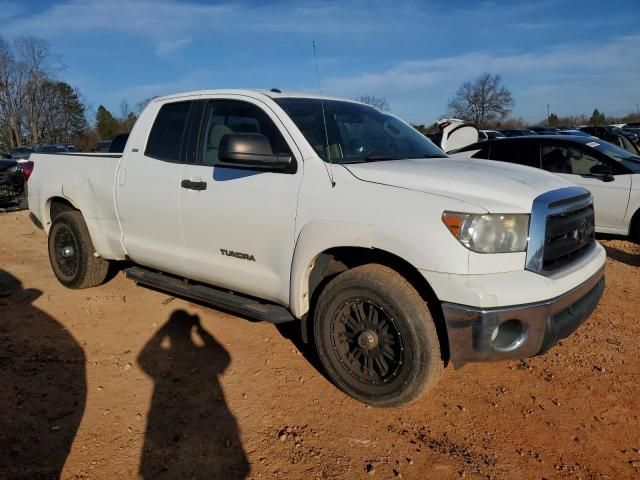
(521, 153)
(167, 133)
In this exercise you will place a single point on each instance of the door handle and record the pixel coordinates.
(194, 185)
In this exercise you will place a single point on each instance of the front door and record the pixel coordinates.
(573, 162)
(238, 223)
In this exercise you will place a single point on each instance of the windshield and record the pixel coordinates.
(625, 157)
(356, 132)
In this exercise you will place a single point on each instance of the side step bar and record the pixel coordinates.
(232, 302)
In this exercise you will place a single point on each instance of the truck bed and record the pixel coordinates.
(88, 179)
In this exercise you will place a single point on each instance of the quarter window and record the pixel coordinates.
(167, 133)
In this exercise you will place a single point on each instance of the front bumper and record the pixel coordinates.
(519, 331)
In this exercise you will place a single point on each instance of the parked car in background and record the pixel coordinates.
(57, 148)
(633, 133)
(20, 153)
(12, 183)
(611, 173)
(103, 146)
(573, 131)
(490, 134)
(613, 135)
(516, 132)
(544, 130)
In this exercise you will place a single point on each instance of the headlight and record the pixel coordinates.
(14, 169)
(490, 232)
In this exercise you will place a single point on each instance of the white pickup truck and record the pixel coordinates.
(394, 258)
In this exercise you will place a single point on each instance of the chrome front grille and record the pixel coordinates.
(562, 229)
(567, 235)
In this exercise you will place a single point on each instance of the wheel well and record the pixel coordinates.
(57, 206)
(334, 261)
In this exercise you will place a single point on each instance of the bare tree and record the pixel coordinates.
(127, 117)
(142, 104)
(34, 107)
(379, 102)
(10, 94)
(481, 101)
(32, 62)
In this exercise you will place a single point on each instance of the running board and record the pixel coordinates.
(232, 302)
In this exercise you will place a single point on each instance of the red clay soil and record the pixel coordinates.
(122, 381)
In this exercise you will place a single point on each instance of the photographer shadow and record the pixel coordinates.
(43, 390)
(190, 431)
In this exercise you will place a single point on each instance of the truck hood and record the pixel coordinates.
(494, 186)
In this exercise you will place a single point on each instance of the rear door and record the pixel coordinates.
(239, 223)
(148, 191)
(573, 162)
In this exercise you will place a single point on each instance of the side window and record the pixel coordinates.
(519, 152)
(223, 117)
(167, 132)
(567, 159)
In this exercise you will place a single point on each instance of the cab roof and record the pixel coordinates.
(251, 93)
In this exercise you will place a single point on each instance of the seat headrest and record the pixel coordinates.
(216, 133)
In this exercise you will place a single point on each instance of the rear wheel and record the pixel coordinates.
(71, 253)
(375, 336)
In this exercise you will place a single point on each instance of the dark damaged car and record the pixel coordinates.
(12, 183)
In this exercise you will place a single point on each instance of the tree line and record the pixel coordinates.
(37, 108)
(487, 103)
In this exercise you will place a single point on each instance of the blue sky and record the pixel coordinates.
(573, 55)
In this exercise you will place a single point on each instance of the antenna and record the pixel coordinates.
(324, 121)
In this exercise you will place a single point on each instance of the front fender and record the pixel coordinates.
(315, 238)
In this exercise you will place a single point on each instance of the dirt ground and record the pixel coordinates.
(121, 382)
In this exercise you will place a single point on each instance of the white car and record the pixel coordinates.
(393, 258)
(610, 173)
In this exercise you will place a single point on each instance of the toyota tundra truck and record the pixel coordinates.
(393, 258)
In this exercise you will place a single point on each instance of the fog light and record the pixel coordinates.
(509, 335)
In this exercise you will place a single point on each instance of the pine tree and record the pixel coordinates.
(597, 118)
(106, 124)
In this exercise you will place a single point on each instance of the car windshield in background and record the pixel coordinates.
(355, 132)
(628, 159)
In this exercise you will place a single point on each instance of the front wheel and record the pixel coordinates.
(375, 336)
(71, 253)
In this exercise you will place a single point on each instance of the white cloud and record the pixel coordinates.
(167, 47)
(592, 74)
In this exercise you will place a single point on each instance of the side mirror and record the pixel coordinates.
(251, 150)
(603, 171)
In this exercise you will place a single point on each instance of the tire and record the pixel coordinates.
(71, 253)
(375, 336)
